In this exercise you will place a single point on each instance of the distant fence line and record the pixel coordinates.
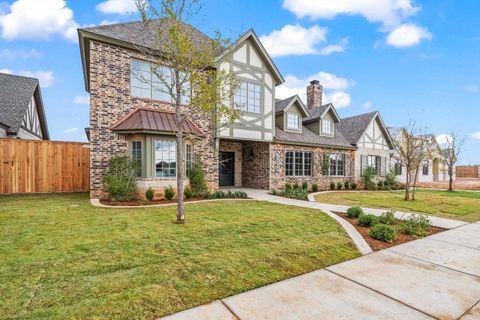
(467, 171)
(43, 166)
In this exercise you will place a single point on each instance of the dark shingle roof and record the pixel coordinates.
(353, 127)
(282, 104)
(308, 137)
(315, 113)
(15, 95)
(137, 34)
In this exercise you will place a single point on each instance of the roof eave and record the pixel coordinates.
(320, 145)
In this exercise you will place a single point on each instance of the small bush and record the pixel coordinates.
(339, 186)
(314, 187)
(288, 186)
(367, 178)
(188, 192)
(354, 186)
(387, 217)
(354, 212)
(367, 220)
(220, 194)
(305, 185)
(169, 193)
(382, 232)
(119, 178)
(380, 185)
(150, 194)
(296, 186)
(274, 192)
(332, 185)
(346, 185)
(198, 184)
(416, 225)
(391, 180)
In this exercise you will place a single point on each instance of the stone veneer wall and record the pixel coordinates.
(110, 99)
(230, 146)
(256, 173)
(277, 167)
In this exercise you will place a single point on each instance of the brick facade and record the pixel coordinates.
(236, 147)
(110, 99)
(256, 165)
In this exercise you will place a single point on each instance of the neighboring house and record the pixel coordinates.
(22, 115)
(433, 168)
(273, 142)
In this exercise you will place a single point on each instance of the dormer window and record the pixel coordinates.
(327, 127)
(293, 121)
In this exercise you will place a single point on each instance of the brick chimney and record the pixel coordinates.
(314, 95)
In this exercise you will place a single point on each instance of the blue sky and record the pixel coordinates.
(408, 59)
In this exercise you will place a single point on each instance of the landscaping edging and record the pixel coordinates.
(96, 203)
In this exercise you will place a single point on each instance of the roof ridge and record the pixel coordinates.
(19, 76)
(362, 114)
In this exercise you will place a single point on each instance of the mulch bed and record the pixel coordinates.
(379, 245)
(136, 203)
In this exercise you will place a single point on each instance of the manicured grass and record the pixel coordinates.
(458, 205)
(60, 258)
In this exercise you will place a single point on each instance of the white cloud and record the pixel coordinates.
(475, 135)
(388, 12)
(339, 47)
(46, 78)
(81, 100)
(8, 71)
(443, 138)
(407, 35)
(106, 22)
(7, 54)
(33, 19)
(367, 105)
(472, 88)
(334, 88)
(117, 6)
(71, 130)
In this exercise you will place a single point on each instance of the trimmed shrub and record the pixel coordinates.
(387, 217)
(354, 212)
(332, 185)
(367, 178)
(380, 184)
(354, 186)
(188, 192)
(288, 186)
(314, 187)
(220, 194)
(346, 185)
(339, 186)
(296, 186)
(391, 180)
(198, 184)
(416, 225)
(119, 178)
(367, 220)
(274, 192)
(169, 193)
(305, 185)
(382, 232)
(150, 194)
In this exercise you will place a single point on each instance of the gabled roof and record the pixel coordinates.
(15, 95)
(264, 54)
(354, 127)
(318, 112)
(153, 120)
(281, 105)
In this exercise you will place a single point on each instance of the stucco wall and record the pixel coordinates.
(370, 152)
(3, 133)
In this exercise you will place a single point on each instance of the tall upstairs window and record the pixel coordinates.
(292, 121)
(247, 97)
(146, 82)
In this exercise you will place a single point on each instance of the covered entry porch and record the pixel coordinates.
(244, 164)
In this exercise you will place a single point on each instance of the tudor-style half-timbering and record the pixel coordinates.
(374, 137)
(31, 120)
(258, 76)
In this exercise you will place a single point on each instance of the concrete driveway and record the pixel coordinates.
(437, 277)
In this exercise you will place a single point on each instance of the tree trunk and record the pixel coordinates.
(450, 180)
(407, 186)
(415, 184)
(180, 178)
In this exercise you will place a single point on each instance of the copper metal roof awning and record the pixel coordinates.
(153, 120)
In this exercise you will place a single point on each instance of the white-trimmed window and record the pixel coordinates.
(327, 126)
(165, 159)
(188, 159)
(336, 164)
(293, 121)
(247, 97)
(146, 83)
(298, 163)
(137, 156)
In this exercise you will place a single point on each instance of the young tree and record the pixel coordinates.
(450, 153)
(412, 150)
(184, 70)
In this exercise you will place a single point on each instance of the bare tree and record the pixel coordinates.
(412, 148)
(183, 64)
(450, 153)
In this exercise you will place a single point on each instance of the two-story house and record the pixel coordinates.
(274, 141)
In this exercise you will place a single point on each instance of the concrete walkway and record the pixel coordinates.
(437, 277)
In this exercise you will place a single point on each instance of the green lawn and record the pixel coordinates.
(60, 258)
(458, 205)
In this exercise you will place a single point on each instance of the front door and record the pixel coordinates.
(227, 168)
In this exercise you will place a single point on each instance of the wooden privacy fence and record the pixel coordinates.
(43, 166)
(467, 171)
